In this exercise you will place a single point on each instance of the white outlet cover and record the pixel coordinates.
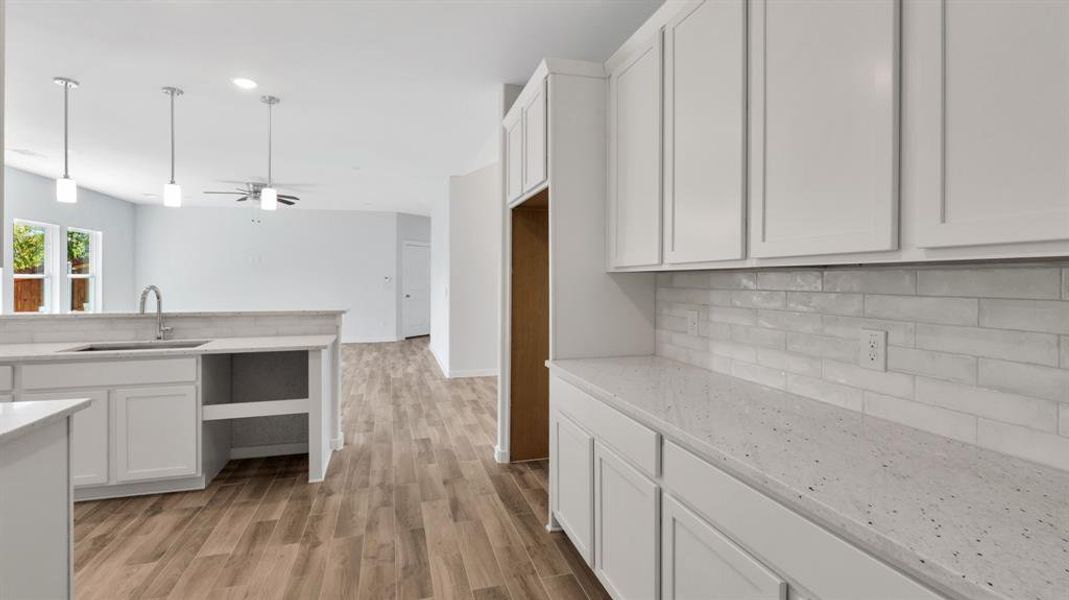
(692, 322)
(872, 349)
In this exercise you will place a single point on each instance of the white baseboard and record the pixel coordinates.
(441, 365)
(473, 373)
(269, 450)
(501, 455)
(337, 443)
(375, 340)
(139, 488)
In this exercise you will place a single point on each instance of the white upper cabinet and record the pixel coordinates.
(513, 157)
(991, 152)
(635, 158)
(705, 133)
(824, 127)
(534, 138)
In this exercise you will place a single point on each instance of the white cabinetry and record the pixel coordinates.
(705, 133)
(155, 432)
(993, 126)
(824, 127)
(635, 158)
(573, 488)
(626, 517)
(699, 562)
(526, 142)
(89, 443)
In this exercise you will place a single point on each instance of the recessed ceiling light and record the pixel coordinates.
(243, 83)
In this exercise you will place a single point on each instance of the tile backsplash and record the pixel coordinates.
(976, 353)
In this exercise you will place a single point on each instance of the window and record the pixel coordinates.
(32, 266)
(83, 264)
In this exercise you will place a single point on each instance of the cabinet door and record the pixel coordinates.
(704, 133)
(514, 157)
(534, 139)
(824, 127)
(699, 562)
(991, 140)
(635, 159)
(89, 448)
(626, 517)
(572, 461)
(155, 432)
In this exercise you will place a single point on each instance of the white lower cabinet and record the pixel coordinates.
(626, 517)
(89, 447)
(700, 563)
(573, 474)
(155, 432)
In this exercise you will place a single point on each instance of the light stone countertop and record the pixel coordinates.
(63, 351)
(18, 418)
(151, 314)
(966, 521)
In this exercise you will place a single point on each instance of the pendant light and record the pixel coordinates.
(268, 194)
(172, 192)
(66, 188)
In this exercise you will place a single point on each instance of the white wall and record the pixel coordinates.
(33, 198)
(243, 259)
(440, 281)
(475, 212)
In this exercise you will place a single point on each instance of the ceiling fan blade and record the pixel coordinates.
(242, 199)
(286, 202)
(287, 196)
(216, 192)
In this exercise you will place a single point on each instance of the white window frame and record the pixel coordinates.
(51, 293)
(96, 239)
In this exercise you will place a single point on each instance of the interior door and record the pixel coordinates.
(416, 285)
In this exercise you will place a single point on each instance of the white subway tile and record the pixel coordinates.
(690, 280)
(1034, 413)
(785, 361)
(663, 321)
(898, 333)
(719, 364)
(871, 281)
(757, 336)
(684, 295)
(738, 316)
(733, 350)
(714, 329)
(884, 382)
(690, 342)
(947, 423)
(790, 280)
(1022, 346)
(1063, 419)
(1043, 448)
(956, 367)
(822, 345)
(789, 321)
(818, 389)
(1029, 380)
(758, 374)
(949, 311)
(723, 280)
(1033, 315)
(832, 304)
(1012, 282)
(1063, 351)
(756, 299)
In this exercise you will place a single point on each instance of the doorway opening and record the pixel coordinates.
(529, 331)
(415, 289)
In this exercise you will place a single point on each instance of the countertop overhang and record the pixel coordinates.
(966, 521)
(19, 418)
(67, 351)
(30, 317)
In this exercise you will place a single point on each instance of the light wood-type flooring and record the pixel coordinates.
(414, 506)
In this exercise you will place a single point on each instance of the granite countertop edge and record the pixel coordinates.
(63, 351)
(50, 412)
(168, 314)
(904, 559)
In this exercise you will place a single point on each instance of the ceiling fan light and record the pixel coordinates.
(269, 199)
(172, 195)
(66, 190)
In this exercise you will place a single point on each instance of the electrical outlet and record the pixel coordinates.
(872, 349)
(692, 322)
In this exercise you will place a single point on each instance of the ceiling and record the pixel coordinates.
(381, 100)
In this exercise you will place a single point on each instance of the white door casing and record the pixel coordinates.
(416, 285)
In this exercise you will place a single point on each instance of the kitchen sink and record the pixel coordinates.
(151, 345)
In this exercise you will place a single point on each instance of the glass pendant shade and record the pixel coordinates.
(268, 199)
(66, 190)
(172, 195)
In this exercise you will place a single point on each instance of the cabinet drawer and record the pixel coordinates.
(629, 439)
(5, 378)
(108, 374)
(820, 562)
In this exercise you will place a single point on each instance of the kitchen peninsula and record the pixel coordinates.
(166, 415)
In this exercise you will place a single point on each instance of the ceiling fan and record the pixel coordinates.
(264, 193)
(251, 191)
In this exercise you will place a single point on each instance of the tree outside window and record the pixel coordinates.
(31, 272)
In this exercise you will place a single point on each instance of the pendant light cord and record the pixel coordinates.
(66, 134)
(172, 94)
(270, 107)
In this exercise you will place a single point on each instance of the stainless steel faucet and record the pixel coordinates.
(161, 331)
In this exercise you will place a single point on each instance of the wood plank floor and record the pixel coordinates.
(413, 507)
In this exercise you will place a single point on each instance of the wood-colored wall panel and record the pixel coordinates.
(528, 376)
